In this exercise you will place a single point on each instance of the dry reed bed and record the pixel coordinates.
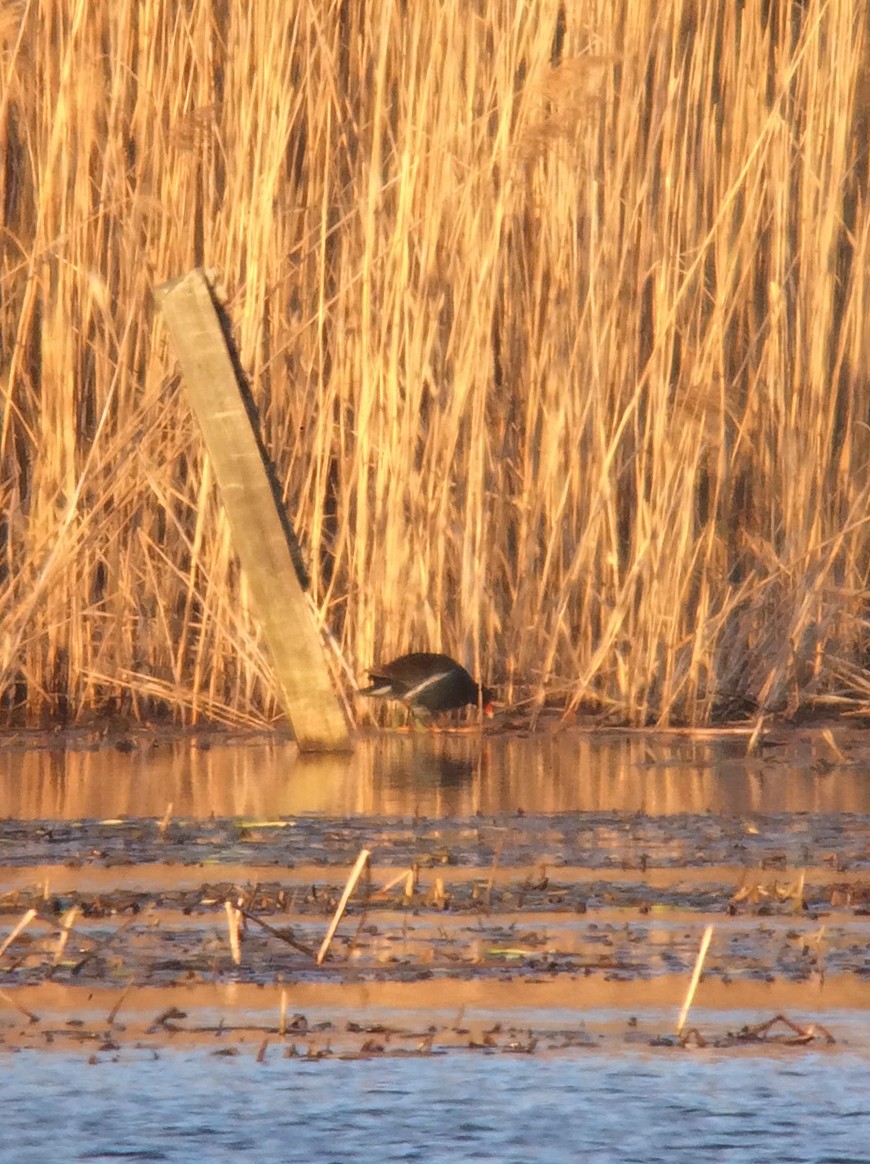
(555, 316)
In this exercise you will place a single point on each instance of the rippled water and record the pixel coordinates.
(681, 1107)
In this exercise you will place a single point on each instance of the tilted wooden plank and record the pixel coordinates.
(260, 529)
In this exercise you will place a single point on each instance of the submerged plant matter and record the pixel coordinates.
(555, 316)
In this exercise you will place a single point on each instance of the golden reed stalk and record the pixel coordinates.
(556, 316)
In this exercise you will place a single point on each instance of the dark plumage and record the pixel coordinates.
(428, 683)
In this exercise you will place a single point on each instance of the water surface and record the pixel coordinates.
(687, 1106)
(578, 868)
(436, 775)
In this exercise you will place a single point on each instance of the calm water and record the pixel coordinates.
(434, 776)
(672, 1107)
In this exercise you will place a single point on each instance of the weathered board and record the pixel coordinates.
(260, 530)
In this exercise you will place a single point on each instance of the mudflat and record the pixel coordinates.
(518, 896)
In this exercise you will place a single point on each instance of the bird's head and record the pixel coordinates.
(487, 701)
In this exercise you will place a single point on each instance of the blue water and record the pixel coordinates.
(796, 1106)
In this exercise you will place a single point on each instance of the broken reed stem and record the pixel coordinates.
(798, 892)
(405, 875)
(234, 922)
(355, 874)
(282, 1015)
(167, 817)
(113, 1013)
(22, 925)
(282, 935)
(757, 737)
(362, 917)
(696, 977)
(10, 1001)
(66, 925)
(828, 737)
(491, 882)
(100, 944)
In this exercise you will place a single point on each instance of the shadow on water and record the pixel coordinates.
(431, 775)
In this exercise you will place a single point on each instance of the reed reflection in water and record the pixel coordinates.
(423, 774)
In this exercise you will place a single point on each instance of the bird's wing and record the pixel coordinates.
(424, 685)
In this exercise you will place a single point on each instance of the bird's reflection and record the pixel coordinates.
(429, 771)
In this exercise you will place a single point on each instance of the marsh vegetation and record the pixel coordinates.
(555, 317)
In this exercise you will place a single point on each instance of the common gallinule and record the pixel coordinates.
(428, 683)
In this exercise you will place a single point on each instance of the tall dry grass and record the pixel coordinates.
(556, 316)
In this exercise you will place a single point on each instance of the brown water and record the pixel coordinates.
(519, 1000)
(439, 776)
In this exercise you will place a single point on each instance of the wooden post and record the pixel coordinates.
(260, 530)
